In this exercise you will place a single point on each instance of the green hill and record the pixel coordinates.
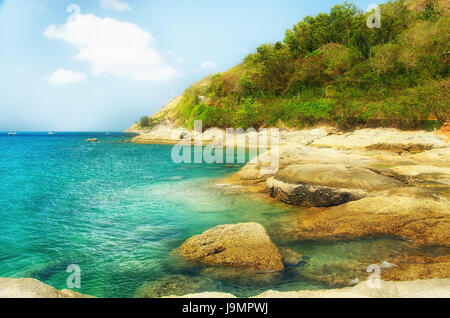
(334, 69)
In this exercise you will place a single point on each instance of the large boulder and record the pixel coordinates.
(322, 185)
(424, 220)
(32, 288)
(243, 245)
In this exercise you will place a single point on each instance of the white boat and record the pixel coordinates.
(51, 133)
(12, 133)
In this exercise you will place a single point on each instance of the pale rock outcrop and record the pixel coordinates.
(312, 185)
(244, 245)
(383, 139)
(439, 156)
(439, 174)
(425, 221)
(163, 134)
(32, 288)
(432, 288)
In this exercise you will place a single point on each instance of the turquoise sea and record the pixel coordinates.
(119, 210)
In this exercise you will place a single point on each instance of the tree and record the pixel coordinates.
(145, 122)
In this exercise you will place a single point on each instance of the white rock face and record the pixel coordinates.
(32, 288)
(371, 137)
(442, 173)
(439, 156)
(433, 288)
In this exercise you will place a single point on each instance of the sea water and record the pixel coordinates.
(118, 211)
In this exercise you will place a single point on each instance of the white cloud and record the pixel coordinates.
(208, 65)
(115, 5)
(63, 77)
(112, 47)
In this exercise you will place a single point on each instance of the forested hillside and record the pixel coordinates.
(334, 69)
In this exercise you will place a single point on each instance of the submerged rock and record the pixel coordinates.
(433, 288)
(312, 185)
(291, 257)
(176, 285)
(412, 267)
(32, 288)
(241, 245)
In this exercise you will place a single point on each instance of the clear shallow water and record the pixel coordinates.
(118, 210)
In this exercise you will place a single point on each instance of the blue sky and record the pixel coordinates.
(117, 60)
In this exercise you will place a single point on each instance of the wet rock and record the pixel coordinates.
(335, 275)
(413, 267)
(176, 285)
(241, 245)
(239, 275)
(291, 257)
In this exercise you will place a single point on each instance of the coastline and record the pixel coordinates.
(413, 176)
(413, 166)
(432, 288)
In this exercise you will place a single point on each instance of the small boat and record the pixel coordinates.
(51, 133)
(12, 133)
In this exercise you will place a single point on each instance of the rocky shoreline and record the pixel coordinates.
(367, 183)
(432, 288)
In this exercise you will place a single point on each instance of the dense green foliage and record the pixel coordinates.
(334, 69)
(146, 122)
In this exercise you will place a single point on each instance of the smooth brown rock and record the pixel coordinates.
(242, 245)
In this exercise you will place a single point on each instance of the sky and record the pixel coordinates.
(100, 65)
